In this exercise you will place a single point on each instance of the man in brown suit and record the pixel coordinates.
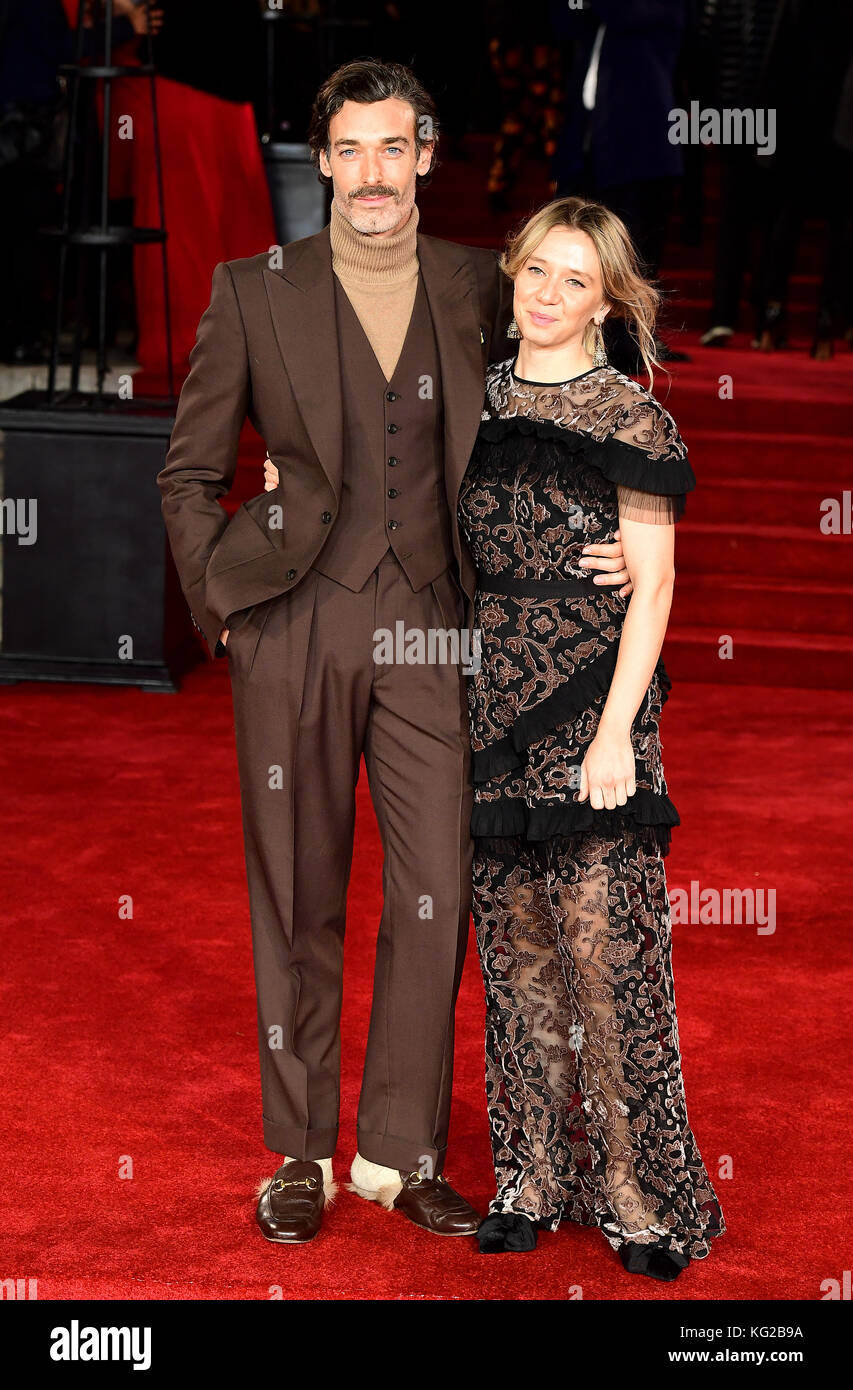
(359, 355)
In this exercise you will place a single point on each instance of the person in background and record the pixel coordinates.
(614, 146)
(835, 305)
(787, 57)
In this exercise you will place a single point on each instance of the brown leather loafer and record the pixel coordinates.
(291, 1204)
(433, 1204)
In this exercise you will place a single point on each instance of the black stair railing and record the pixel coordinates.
(77, 229)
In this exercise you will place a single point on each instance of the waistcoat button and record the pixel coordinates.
(327, 516)
(291, 574)
(392, 462)
(392, 492)
(392, 429)
(392, 525)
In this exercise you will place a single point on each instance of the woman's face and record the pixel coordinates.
(558, 289)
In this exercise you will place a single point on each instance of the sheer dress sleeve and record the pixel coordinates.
(650, 507)
(644, 424)
(622, 430)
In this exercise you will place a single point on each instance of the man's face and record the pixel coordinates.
(373, 164)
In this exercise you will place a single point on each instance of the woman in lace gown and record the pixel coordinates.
(572, 815)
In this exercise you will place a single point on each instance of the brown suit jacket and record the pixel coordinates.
(267, 348)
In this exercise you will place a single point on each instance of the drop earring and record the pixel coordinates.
(600, 355)
(513, 331)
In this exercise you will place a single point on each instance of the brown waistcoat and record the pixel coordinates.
(393, 444)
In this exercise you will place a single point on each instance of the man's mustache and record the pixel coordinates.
(379, 190)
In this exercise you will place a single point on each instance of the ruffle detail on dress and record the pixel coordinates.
(506, 818)
(623, 464)
(570, 699)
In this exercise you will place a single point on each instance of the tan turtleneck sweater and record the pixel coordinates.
(380, 277)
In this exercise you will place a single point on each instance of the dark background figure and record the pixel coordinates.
(808, 55)
(788, 57)
(688, 80)
(735, 38)
(615, 144)
(34, 40)
(835, 305)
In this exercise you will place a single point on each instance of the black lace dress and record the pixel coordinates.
(583, 1072)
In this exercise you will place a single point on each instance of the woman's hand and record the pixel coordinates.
(270, 475)
(607, 773)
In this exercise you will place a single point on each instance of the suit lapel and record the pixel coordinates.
(451, 288)
(302, 302)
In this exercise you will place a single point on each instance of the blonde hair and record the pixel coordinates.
(631, 297)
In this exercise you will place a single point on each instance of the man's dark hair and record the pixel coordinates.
(367, 80)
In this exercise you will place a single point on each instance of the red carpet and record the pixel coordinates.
(131, 1040)
(136, 1038)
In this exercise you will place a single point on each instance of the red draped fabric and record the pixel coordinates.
(215, 194)
(217, 207)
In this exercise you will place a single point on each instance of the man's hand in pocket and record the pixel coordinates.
(270, 475)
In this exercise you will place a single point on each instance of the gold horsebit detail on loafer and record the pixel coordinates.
(415, 1179)
(281, 1183)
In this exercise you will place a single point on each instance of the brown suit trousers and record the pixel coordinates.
(309, 699)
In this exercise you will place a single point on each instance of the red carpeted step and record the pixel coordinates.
(696, 403)
(783, 552)
(760, 658)
(763, 501)
(720, 454)
(752, 560)
(718, 601)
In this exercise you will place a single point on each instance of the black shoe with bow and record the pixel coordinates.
(506, 1231)
(654, 1260)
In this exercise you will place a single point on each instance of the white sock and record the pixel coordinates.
(372, 1176)
(325, 1164)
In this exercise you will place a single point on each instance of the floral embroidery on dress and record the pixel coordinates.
(583, 1070)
